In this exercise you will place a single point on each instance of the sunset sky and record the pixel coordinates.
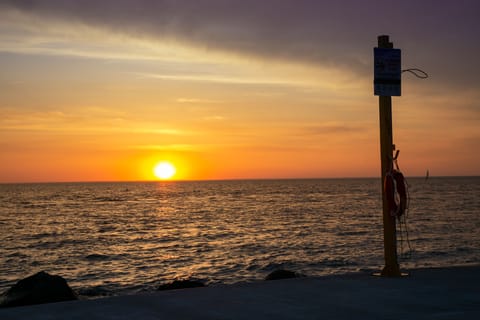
(232, 89)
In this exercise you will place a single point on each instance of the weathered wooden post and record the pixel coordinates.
(387, 70)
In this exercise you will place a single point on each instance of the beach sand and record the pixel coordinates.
(446, 293)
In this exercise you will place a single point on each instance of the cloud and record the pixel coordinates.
(292, 30)
(198, 101)
(167, 147)
(86, 120)
(214, 118)
(333, 128)
(436, 36)
(242, 80)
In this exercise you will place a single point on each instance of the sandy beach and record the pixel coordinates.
(446, 293)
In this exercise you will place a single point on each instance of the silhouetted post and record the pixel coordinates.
(391, 268)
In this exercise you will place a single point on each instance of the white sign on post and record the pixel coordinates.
(387, 72)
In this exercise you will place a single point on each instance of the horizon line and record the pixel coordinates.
(229, 179)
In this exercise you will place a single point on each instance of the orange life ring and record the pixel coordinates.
(396, 193)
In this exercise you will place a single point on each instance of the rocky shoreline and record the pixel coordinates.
(43, 287)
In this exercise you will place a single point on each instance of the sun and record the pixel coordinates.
(164, 170)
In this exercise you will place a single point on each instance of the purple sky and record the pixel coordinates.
(438, 36)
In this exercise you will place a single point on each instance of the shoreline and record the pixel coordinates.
(427, 293)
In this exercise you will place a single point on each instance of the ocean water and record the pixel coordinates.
(121, 238)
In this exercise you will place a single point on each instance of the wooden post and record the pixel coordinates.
(391, 268)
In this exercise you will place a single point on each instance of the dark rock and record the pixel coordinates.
(37, 289)
(181, 284)
(281, 274)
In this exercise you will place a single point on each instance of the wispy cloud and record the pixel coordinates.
(198, 101)
(337, 34)
(333, 128)
(23, 32)
(89, 120)
(214, 118)
(324, 32)
(219, 78)
(166, 147)
(159, 131)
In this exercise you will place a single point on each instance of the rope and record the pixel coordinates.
(403, 220)
(403, 228)
(417, 73)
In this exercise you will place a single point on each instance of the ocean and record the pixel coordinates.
(122, 238)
